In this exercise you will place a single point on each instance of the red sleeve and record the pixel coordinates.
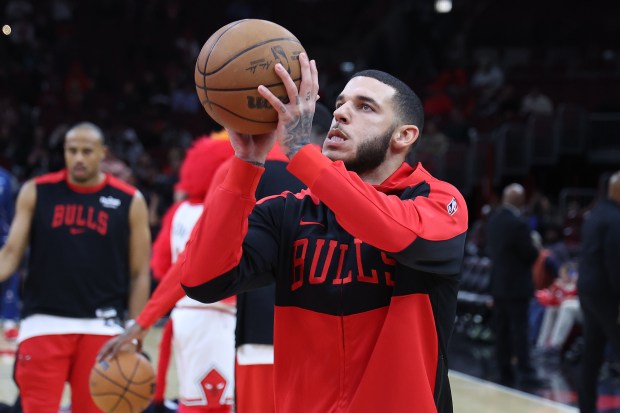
(165, 296)
(218, 178)
(161, 258)
(208, 254)
(361, 209)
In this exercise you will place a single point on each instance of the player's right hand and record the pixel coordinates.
(251, 148)
(130, 340)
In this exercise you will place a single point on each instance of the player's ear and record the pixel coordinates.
(405, 136)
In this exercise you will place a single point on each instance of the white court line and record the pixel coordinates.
(560, 407)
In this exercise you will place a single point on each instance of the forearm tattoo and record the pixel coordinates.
(298, 134)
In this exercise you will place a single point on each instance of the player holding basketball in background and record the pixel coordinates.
(365, 262)
(88, 269)
(205, 356)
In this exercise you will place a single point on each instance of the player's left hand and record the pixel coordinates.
(295, 117)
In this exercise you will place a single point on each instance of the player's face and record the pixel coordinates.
(363, 125)
(84, 151)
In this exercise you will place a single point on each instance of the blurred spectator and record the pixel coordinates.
(184, 98)
(599, 290)
(536, 103)
(432, 147)
(486, 80)
(508, 103)
(562, 310)
(434, 140)
(116, 167)
(457, 127)
(437, 102)
(477, 237)
(541, 213)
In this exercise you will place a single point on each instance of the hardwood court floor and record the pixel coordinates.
(470, 394)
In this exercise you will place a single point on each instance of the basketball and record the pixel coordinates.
(124, 384)
(234, 61)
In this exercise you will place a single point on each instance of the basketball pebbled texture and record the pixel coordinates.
(234, 61)
(125, 384)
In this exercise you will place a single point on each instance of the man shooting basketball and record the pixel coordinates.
(89, 265)
(365, 261)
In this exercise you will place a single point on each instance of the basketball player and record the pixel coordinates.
(205, 358)
(365, 261)
(88, 270)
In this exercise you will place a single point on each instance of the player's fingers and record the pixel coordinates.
(272, 99)
(305, 86)
(315, 79)
(287, 81)
(105, 351)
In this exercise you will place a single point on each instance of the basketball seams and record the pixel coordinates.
(231, 65)
(204, 71)
(239, 116)
(242, 52)
(241, 89)
(125, 393)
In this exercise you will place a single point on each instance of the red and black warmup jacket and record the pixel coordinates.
(366, 281)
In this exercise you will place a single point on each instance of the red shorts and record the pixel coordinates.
(254, 391)
(43, 365)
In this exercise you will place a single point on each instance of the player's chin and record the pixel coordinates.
(334, 153)
(80, 175)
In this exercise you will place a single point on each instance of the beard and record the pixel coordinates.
(371, 153)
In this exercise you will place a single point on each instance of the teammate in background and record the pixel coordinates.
(88, 270)
(365, 261)
(9, 289)
(598, 288)
(205, 356)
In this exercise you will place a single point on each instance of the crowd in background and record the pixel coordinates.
(128, 67)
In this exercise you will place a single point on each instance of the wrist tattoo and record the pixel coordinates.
(295, 148)
(298, 134)
(256, 163)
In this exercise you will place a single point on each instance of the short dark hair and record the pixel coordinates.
(407, 104)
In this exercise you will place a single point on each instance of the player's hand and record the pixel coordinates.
(251, 148)
(129, 340)
(295, 117)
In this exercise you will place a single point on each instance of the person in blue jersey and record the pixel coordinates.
(9, 289)
(88, 270)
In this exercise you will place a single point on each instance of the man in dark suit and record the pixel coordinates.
(599, 290)
(512, 251)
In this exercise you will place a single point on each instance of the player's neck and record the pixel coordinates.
(94, 181)
(378, 175)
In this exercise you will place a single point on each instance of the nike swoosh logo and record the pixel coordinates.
(302, 222)
(75, 231)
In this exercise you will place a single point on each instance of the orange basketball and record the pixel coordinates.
(124, 384)
(234, 61)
